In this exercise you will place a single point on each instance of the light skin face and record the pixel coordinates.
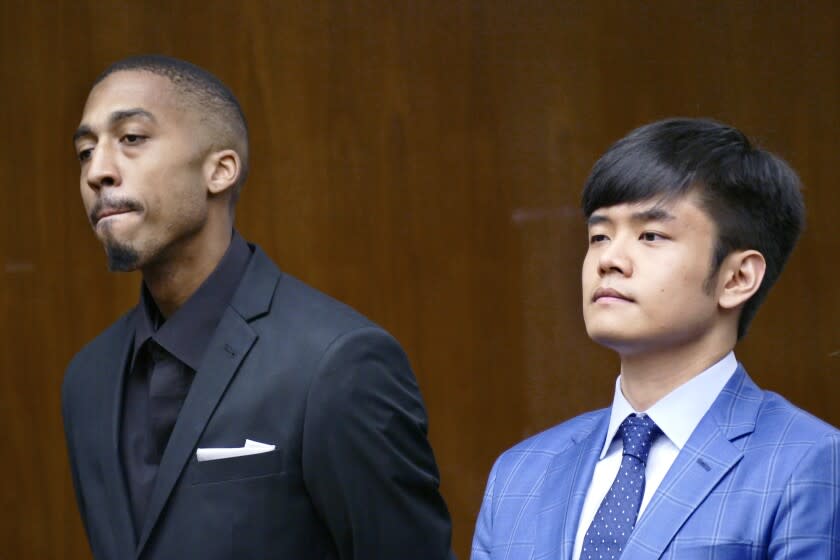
(156, 193)
(647, 293)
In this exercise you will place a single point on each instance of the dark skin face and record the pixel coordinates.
(156, 193)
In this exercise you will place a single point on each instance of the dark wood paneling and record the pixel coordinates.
(421, 161)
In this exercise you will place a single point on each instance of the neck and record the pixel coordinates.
(646, 377)
(172, 279)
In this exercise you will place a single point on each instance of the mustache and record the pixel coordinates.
(112, 205)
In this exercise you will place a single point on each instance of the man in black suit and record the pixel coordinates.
(234, 412)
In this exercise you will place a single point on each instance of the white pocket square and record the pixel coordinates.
(251, 447)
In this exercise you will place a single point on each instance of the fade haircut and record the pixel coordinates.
(752, 196)
(216, 103)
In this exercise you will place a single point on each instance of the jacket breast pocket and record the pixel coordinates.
(235, 468)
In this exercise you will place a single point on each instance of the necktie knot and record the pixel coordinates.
(638, 434)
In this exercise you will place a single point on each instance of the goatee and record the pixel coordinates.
(121, 258)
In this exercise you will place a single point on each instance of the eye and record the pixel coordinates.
(651, 236)
(85, 154)
(132, 139)
(597, 238)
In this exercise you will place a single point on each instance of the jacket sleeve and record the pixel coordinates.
(483, 536)
(367, 462)
(66, 398)
(807, 524)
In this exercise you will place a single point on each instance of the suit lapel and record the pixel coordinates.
(564, 491)
(113, 376)
(231, 342)
(706, 458)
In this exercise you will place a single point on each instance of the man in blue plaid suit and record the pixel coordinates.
(689, 227)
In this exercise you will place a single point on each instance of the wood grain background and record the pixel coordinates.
(422, 161)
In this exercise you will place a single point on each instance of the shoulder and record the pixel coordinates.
(102, 349)
(781, 443)
(535, 454)
(277, 299)
(780, 420)
(313, 326)
(315, 308)
(299, 326)
(755, 418)
(104, 345)
(557, 438)
(104, 342)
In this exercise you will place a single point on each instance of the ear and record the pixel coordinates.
(741, 276)
(221, 170)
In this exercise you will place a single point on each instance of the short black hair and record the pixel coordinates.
(752, 195)
(204, 89)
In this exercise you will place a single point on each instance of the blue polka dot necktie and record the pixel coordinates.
(616, 516)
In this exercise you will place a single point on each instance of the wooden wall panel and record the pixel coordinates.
(422, 161)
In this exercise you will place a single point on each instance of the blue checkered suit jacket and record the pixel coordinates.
(758, 479)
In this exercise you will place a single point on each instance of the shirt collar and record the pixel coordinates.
(678, 412)
(187, 333)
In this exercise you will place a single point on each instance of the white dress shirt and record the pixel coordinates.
(676, 414)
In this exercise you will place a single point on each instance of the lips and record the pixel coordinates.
(111, 212)
(610, 293)
(113, 207)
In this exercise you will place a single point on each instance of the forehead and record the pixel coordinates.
(127, 90)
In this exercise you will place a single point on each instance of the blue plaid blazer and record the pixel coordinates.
(758, 479)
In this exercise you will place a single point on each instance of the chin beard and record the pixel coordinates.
(121, 258)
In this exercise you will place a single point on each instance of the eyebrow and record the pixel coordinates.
(652, 215)
(655, 214)
(115, 118)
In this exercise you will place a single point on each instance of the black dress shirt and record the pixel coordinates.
(167, 354)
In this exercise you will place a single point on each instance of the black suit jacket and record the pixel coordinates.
(352, 474)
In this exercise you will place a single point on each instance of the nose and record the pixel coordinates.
(102, 169)
(614, 258)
